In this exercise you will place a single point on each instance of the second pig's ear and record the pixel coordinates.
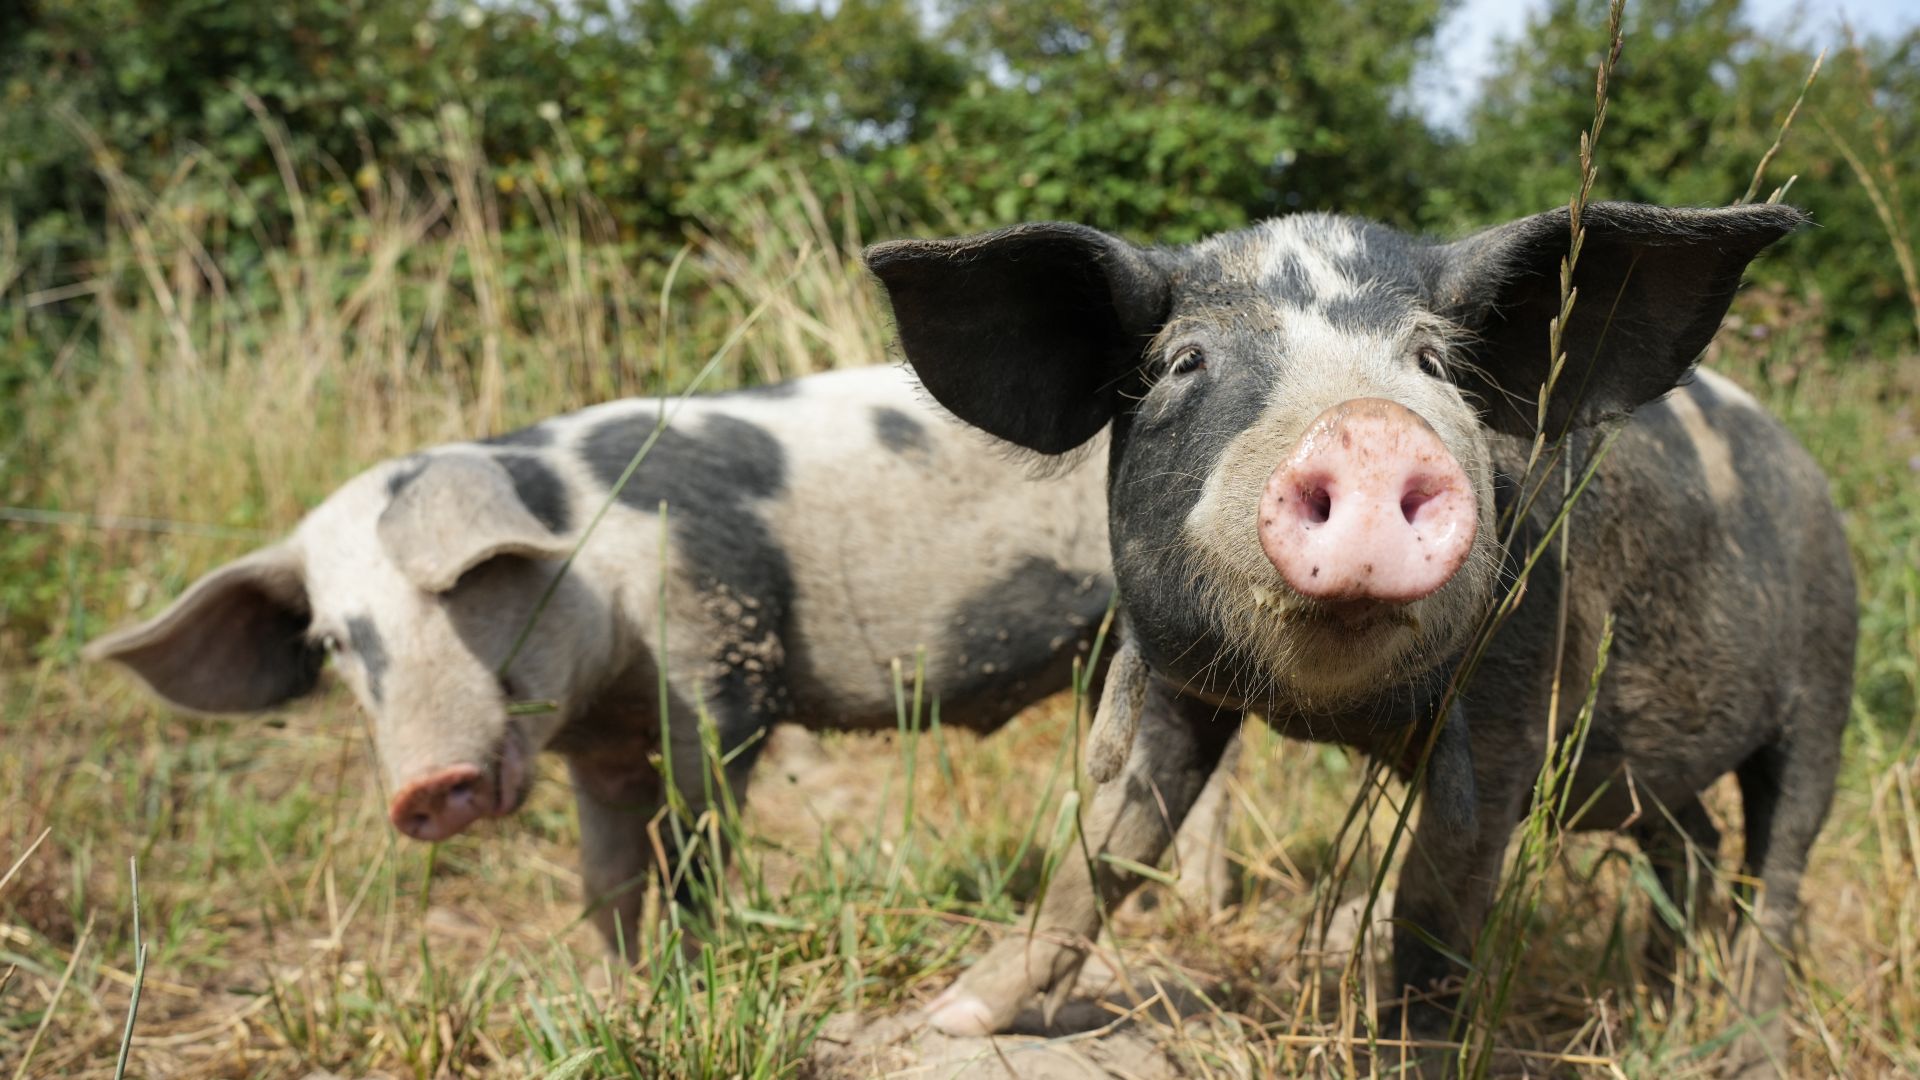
(234, 642)
(456, 512)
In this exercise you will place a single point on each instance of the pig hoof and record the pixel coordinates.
(960, 1013)
(988, 997)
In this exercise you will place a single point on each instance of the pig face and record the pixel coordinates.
(416, 578)
(1305, 412)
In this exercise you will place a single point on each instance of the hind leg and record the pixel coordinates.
(1682, 844)
(1202, 867)
(1786, 788)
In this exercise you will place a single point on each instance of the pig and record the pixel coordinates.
(1318, 431)
(775, 552)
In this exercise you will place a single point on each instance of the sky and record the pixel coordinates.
(1446, 87)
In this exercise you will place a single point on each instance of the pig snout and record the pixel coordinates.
(1370, 506)
(441, 804)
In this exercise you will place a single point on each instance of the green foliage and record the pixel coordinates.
(1175, 120)
(1159, 119)
(656, 99)
(1672, 95)
(1139, 114)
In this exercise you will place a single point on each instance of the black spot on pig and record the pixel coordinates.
(1289, 279)
(899, 432)
(531, 438)
(1157, 470)
(710, 478)
(404, 473)
(711, 473)
(540, 489)
(367, 644)
(1380, 258)
(1010, 639)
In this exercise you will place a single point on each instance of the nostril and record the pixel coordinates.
(459, 797)
(442, 803)
(1412, 501)
(1318, 503)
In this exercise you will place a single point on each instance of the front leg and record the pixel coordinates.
(617, 801)
(1133, 817)
(1446, 889)
(1200, 849)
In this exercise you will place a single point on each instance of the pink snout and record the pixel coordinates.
(444, 802)
(1371, 506)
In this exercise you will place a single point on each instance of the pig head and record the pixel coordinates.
(1301, 503)
(416, 578)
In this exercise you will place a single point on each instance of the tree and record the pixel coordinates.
(1177, 119)
(1696, 100)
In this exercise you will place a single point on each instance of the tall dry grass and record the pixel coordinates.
(201, 393)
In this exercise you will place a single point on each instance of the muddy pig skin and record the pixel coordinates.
(777, 550)
(1319, 430)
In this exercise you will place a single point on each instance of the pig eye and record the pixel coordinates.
(1187, 361)
(1429, 358)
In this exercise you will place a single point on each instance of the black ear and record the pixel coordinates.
(234, 642)
(1028, 333)
(1653, 285)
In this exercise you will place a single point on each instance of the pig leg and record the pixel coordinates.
(1785, 789)
(1178, 745)
(616, 805)
(1203, 871)
(1682, 852)
(712, 781)
(626, 840)
(1446, 888)
(1200, 848)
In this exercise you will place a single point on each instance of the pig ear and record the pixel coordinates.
(1030, 333)
(457, 512)
(235, 642)
(1653, 285)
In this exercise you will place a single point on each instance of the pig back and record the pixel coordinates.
(912, 535)
(1709, 534)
